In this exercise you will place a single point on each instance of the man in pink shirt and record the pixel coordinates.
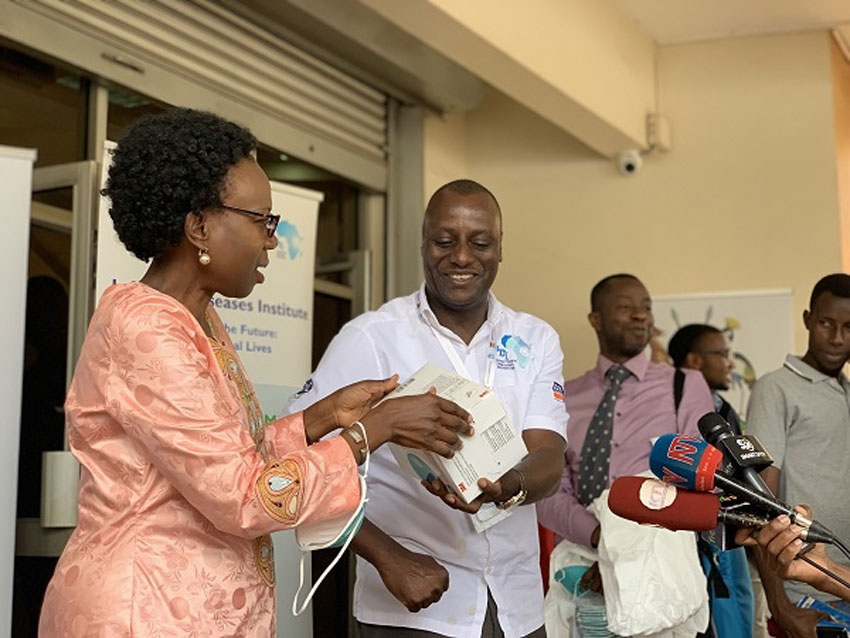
(627, 400)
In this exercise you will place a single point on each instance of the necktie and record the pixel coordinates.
(596, 451)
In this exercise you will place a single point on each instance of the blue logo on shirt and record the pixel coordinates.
(558, 391)
(308, 385)
(512, 350)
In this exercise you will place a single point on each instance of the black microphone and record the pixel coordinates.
(744, 453)
(689, 462)
(812, 530)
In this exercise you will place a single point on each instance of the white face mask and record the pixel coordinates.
(333, 532)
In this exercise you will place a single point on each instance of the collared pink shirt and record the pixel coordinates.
(644, 411)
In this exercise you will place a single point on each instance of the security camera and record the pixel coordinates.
(629, 162)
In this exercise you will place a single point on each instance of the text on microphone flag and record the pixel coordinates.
(682, 449)
(685, 461)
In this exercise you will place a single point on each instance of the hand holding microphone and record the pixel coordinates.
(693, 464)
(649, 501)
(792, 560)
(781, 540)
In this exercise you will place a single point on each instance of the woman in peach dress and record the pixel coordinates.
(181, 481)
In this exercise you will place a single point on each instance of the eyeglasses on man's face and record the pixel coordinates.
(726, 353)
(271, 221)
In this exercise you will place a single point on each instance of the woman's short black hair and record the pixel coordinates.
(167, 166)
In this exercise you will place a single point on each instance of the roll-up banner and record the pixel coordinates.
(15, 195)
(271, 329)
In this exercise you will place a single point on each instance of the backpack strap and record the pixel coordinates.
(725, 409)
(716, 584)
(678, 388)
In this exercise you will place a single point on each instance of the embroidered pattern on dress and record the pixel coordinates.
(279, 487)
(264, 558)
(231, 368)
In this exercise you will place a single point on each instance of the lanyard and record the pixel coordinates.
(457, 362)
(489, 514)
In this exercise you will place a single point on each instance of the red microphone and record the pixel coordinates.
(649, 501)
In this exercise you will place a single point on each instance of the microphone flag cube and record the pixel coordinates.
(685, 461)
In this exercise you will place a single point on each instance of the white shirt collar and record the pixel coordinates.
(495, 310)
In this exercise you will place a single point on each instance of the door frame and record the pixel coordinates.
(81, 178)
(32, 538)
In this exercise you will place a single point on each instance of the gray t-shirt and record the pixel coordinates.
(802, 417)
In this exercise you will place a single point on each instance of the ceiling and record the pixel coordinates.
(680, 21)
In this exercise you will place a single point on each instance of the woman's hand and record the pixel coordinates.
(352, 402)
(423, 421)
(345, 406)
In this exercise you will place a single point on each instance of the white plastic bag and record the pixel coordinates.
(654, 585)
(569, 611)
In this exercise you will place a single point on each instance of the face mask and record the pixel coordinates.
(334, 532)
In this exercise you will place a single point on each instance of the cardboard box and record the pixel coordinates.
(494, 449)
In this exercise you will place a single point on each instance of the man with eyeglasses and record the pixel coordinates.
(699, 346)
(705, 348)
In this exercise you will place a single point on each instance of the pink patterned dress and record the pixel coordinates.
(181, 481)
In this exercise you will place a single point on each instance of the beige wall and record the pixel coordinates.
(582, 65)
(445, 151)
(841, 97)
(556, 39)
(746, 199)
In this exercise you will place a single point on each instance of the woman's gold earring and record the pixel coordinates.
(204, 257)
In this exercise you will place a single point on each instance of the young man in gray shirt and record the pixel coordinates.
(801, 414)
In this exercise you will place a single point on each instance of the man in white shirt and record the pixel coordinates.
(422, 570)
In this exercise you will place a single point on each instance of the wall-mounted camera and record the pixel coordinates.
(630, 162)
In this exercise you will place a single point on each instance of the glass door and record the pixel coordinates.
(59, 301)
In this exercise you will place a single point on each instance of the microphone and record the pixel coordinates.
(689, 462)
(652, 502)
(745, 453)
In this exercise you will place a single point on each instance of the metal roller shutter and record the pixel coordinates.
(212, 48)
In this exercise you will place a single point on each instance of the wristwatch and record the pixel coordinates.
(518, 498)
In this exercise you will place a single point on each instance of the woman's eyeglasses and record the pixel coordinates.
(271, 221)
